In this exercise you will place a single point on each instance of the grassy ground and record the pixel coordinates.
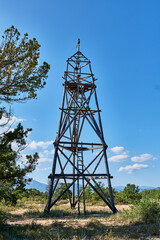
(27, 221)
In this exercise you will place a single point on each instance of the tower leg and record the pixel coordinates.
(105, 157)
(73, 187)
(109, 182)
(78, 197)
(50, 193)
(84, 202)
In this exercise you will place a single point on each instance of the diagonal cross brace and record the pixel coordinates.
(81, 173)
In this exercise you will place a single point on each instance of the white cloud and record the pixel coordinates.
(47, 153)
(131, 168)
(117, 149)
(12, 120)
(42, 160)
(15, 119)
(34, 145)
(52, 152)
(23, 156)
(96, 152)
(5, 123)
(118, 158)
(143, 158)
(14, 146)
(43, 169)
(44, 154)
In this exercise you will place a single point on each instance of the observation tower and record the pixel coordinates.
(80, 157)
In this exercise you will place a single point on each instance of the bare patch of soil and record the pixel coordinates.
(78, 222)
(18, 211)
(99, 221)
(120, 208)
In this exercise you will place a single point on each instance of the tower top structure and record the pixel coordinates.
(78, 45)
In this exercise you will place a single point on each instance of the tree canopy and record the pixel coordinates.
(21, 76)
(59, 191)
(12, 170)
(20, 73)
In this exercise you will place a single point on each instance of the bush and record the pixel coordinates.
(130, 194)
(60, 189)
(152, 193)
(147, 211)
(3, 217)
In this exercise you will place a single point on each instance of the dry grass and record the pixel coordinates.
(30, 223)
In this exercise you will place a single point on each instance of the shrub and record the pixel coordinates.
(131, 193)
(3, 217)
(147, 211)
(152, 193)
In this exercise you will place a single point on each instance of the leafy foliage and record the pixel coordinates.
(12, 172)
(20, 78)
(130, 194)
(147, 211)
(60, 189)
(3, 217)
(33, 194)
(88, 193)
(95, 196)
(152, 193)
(20, 74)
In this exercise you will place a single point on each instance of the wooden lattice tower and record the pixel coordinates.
(76, 160)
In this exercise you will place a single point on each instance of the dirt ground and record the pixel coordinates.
(62, 220)
(45, 222)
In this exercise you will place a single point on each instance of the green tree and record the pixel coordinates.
(107, 192)
(152, 194)
(59, 190)
(20, 78)
(131, 193)
(95, 196)
(88, 193)
(12, 170)
(32, 193)
(20, 74)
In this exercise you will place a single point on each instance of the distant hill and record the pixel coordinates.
(120, 188)
(37, 185)
(42, 187)
(146, 188)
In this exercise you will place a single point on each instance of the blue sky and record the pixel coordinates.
(122, 40)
